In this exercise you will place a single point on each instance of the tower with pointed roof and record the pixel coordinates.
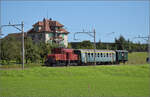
(49, 31)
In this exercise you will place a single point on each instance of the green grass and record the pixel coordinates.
(17, 66)
(137, 58)
(110, 80)
(127, 80)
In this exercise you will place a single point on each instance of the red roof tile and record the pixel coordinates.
(62, 30)
(38, 23)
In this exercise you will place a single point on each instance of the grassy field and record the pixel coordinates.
(137, 58)
(121, 80)
(125, 80)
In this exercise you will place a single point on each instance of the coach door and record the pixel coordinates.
(112, 54)
(85, 58)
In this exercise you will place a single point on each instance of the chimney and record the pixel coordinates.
(44, 21)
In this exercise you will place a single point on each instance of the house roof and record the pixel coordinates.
(16, 35)
(47, 26)
(39, 23)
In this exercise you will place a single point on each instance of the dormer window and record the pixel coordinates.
(37, 28)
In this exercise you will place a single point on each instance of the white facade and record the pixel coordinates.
(49, 31)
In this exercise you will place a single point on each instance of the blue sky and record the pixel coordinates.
(127, 18)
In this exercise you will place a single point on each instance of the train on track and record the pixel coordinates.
(78, 57)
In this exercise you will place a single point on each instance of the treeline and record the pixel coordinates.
(11, 51)
(119, 44)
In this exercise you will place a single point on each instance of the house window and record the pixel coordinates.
(32, 36)
(52, 28)
(40, 28)
(36, 28)
(40, 36)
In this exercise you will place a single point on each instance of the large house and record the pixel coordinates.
(49, 31)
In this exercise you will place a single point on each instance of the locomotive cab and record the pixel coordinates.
(61, 57)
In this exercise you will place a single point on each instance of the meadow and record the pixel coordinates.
(137, 58)
(125, 80)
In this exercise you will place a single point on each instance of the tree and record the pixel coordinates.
(69, 45)
(120, 43)
(85, 45)
(44, 50)
(31, 51)
(100, 45)
(10, 50)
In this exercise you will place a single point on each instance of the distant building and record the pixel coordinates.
(49, 31)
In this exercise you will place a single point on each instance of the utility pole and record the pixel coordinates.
(94, 47)
(20, 29)
(149, 49)
(0, 40)
(93, 35)
(149, 39)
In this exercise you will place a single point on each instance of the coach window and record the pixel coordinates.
(89, 54)
(110, 54)
(104, 54)
(101, 55)
(92, 54)
(107, 54)
(98, 55)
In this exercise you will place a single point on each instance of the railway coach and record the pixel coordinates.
(88, 56)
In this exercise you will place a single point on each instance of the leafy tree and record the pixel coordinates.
(44, 50)
(120, 43)
(85, 45)
(31, 51)
(69, 45)
(100, 45)
(10, 50)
